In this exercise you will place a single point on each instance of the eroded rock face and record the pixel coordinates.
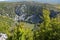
(53, 13)
(3, 36)
(32, 13)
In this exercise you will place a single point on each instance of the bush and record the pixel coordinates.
(48, 30)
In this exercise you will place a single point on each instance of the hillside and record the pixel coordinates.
(29, 21)
(9, 8)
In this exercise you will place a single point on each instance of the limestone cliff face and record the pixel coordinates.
(27, 11)
(33, 13)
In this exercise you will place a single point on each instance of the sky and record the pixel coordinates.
(44, 1)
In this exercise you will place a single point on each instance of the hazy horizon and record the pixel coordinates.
(42, 1)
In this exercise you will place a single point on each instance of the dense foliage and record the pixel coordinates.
(48, 30)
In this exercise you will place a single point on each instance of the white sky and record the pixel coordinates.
(2, 0)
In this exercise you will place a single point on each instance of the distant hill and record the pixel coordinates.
(57, 6)
(9, 8)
